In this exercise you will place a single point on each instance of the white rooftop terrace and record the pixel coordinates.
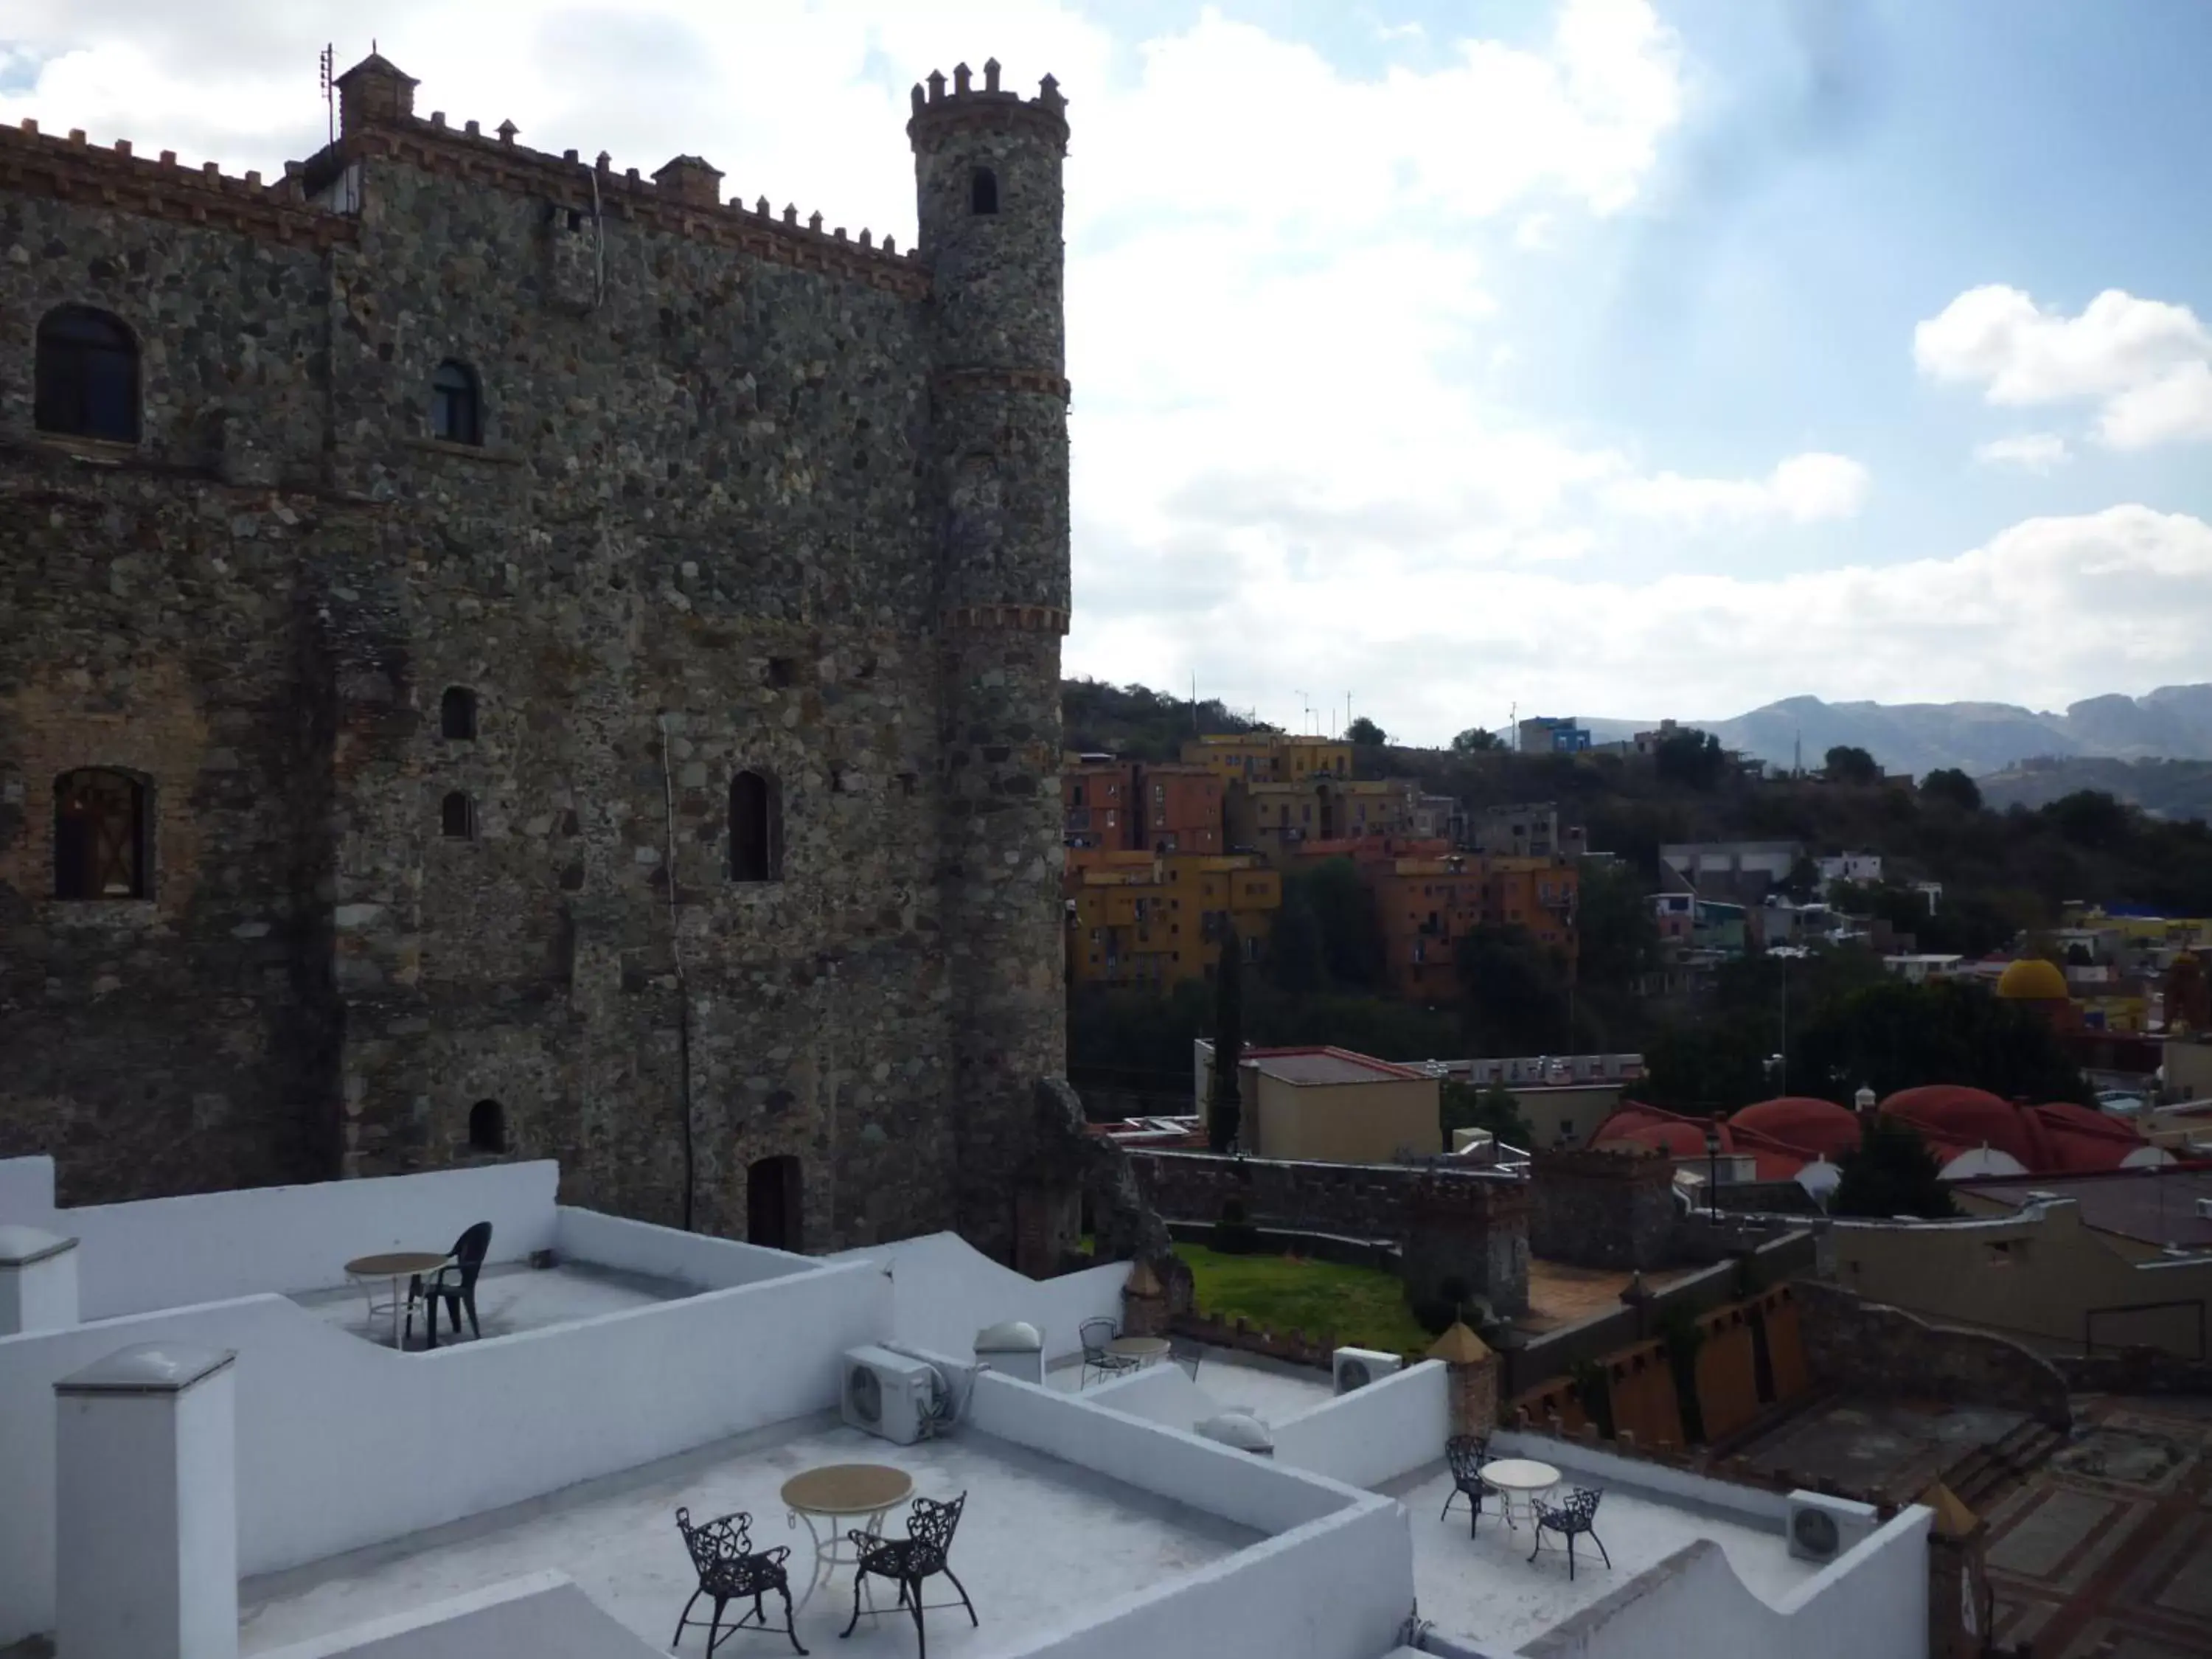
(1041, 1544)
(510, 1297)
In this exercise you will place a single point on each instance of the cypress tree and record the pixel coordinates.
(1227, 1114)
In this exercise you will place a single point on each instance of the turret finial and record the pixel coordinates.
(960, 79)
(990, 74)
(936, 86)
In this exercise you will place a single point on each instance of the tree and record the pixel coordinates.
(1516, 991)
(1893, 1036)
(2089, 818)
(1849, 763)
(1617, 937)
(1691, 757)
(1892, 1173)
(1351, 937)
(1953, 788)
(1297, 964)
(1475, 740)
(1366, 733)
(1226, 1116)
(1462, 1106)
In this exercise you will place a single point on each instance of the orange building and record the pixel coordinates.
(1275, 820)
(1136, 807)
(1426, 905)
(1180, 810)
(1139, 918)
(1097, 799)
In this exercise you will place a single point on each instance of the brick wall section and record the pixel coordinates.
(1463, 1224)
(750, 495)
(1601, 1209)
(1863, 1347)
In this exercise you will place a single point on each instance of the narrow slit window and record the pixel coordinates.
(756, 828)
(983, 191)
(456, 817)
(456, 407)
(457, 714)
(86, 375)
(99, 835)
(487, 1127)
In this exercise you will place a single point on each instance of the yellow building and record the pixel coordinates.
(1276, 819)
(1329, 1105)
(1153, 919)
(1270, 756)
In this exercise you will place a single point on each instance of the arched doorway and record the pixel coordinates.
(773, 1203)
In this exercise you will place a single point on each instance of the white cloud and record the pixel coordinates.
(1433, 652)
(2031, 452)
(1802, 489)
(2149, 363)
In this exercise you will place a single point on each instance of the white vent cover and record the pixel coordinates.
(1246, 1432)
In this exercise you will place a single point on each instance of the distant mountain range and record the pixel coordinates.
(2173, 723)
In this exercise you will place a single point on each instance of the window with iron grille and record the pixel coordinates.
(87, 376)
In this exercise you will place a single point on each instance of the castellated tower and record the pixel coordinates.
(987, 176)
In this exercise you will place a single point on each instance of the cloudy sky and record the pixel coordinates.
(1621, 357)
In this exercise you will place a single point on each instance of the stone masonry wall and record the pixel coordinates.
(1866, 1348)
(705, 532)
(1601, 1209)
(1452, 1225)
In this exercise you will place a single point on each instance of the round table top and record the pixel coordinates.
(1520, 1474)
(848, 1489)
(1137, 1347)
(394, 1264)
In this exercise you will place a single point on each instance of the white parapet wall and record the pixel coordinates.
(1332, 1578)
(208, 1247)
(344, 1443)
(1391, 1427)
(698, 1260)
(543, 1615)
(948, 1291)
(1871, 1603)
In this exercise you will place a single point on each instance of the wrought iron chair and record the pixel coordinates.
(1467, 1454)
(1577, 1515)
(456, 1282)
(1096, 1357)
(907, 1561)
(730, 1569)
(1186, 1352)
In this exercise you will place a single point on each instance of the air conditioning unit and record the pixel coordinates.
(1822, 1528)
(1356, 1368)
(889, 1395)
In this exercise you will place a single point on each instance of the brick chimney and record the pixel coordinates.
(689, 180)
(374, 92)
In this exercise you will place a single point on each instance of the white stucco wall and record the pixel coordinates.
(412, 1440)
(948, 1291)
(1391, 1427)
(208, 1247)
(696, 1259)
(543, 1615)
(1871, 1603)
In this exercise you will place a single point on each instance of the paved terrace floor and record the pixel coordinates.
(1559, 1294)
(1487, 1591)
(509, 1298)
(1272, 1388)
(1040, 1543)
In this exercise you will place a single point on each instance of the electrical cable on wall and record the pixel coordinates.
(683, 984)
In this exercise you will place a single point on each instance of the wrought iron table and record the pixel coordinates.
(1520, 1477)
(1144, 1350)
(841, 1491)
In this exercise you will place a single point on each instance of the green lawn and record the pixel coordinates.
(1362, 1307)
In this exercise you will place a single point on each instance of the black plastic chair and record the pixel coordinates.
(1577, 1515)
(1467, 1454)
(456, 1282)
(730, 1569)
(910, 1560)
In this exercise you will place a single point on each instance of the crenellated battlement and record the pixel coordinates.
(75, 169)
(967, 105)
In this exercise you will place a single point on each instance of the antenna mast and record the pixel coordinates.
(328, 63)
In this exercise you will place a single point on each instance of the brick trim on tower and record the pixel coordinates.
(1005, 379)
(1028, 618)
(72, 170)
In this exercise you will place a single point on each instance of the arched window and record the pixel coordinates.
(456, 410)
(457, 817)
(99, 835)
(457, 713)
(756, 828)
(983, 191)
(87, 376)
(774, 1199)
(487, 1127)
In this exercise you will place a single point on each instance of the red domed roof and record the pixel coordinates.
(1815, 1127)
(1965, 1118)
(1677, 1140)
(1906, 1101)
(2081, 1140)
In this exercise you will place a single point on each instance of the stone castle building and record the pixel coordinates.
(502, 657)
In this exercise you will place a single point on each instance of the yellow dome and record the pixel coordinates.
(2032, 980)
